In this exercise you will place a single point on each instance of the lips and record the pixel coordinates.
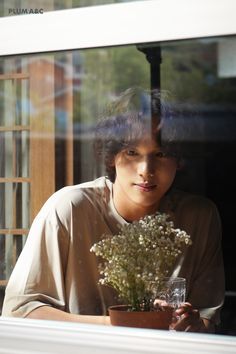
(145, 187)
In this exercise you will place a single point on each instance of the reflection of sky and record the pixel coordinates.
(61, 119)
(16, 111)
(24, 106)
(210, 124)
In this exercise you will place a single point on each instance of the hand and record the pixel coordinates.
(161, 305)
(188, 319)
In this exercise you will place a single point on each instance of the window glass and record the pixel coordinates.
(50, 104)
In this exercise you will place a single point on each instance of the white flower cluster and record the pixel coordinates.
(139, 256)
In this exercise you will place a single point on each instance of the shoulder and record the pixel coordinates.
(192, 202)
(195, 214)
(192, 209)
(67, 198)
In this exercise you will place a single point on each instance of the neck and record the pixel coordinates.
(129, 210)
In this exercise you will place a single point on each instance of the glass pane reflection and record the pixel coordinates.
(65, 94)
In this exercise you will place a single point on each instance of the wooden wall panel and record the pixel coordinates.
(42, 131)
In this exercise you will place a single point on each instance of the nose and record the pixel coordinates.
(146, 168)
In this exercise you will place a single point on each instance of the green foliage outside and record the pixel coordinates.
(188, 72)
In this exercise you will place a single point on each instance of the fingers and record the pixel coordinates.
(185, 308)
(161, 305)
(188, 319)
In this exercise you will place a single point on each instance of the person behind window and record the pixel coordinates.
(56, 275)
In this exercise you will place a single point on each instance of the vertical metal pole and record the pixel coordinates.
(153, 56)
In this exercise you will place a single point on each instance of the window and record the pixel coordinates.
(50, 102)
(14, 169)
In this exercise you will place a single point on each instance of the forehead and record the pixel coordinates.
(146, 144)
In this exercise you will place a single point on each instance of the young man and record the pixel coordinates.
(56, 276)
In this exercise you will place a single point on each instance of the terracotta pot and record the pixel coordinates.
(120, 316)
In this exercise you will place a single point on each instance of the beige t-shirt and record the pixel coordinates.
(57, 268)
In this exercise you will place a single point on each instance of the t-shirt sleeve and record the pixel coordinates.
(38, 277)
(208, 283)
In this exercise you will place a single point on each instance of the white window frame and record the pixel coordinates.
(116, 24)
(19, 336)
(101, 26)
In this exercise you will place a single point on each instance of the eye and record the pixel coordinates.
(161, 154)
(131, 152)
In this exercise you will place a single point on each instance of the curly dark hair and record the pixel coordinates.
(127, 119)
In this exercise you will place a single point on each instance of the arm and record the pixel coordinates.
(37, 278)
(205, 295)
(56, 269)
(51, 313)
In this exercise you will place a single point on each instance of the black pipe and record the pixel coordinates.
(153, 56)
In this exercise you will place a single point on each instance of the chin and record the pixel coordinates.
(147, 204)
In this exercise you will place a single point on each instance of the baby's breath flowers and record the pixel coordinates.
(139, 256)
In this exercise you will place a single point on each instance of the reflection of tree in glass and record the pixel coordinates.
(189, 71)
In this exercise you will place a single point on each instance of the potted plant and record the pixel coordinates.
(135, 261)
